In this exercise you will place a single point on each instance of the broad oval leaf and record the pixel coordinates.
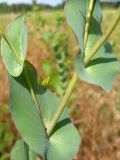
(13, 50)
(65, 140)
(21, 151)
(59, 145)
(103, 67)
(26, 115)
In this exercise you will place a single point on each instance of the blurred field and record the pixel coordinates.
(95, 113)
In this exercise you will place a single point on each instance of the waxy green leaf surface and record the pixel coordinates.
(103, 67)
(64, 141)
(14, 57)
(21, 151)
(26, 114)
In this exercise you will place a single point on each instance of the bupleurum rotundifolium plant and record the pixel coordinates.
(41, 118)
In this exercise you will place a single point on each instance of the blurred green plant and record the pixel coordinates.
(6, 136)
(59, 45)
(36, 17)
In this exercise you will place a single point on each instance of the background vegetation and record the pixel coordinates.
(95, 113)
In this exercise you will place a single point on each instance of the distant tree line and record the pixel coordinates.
(22, 7)
(110, 4)
(14, 8)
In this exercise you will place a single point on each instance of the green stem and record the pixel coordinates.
(63, 103)
(101, 41)
(88, 20)
(74, 79)
(19, 59)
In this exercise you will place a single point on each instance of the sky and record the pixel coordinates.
(52, 2)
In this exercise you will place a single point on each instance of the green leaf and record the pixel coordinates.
(13, 49)
(25, 113)
(103, 67)
(21, 151)
(32, 155)
(47, 67)
(64, 141)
